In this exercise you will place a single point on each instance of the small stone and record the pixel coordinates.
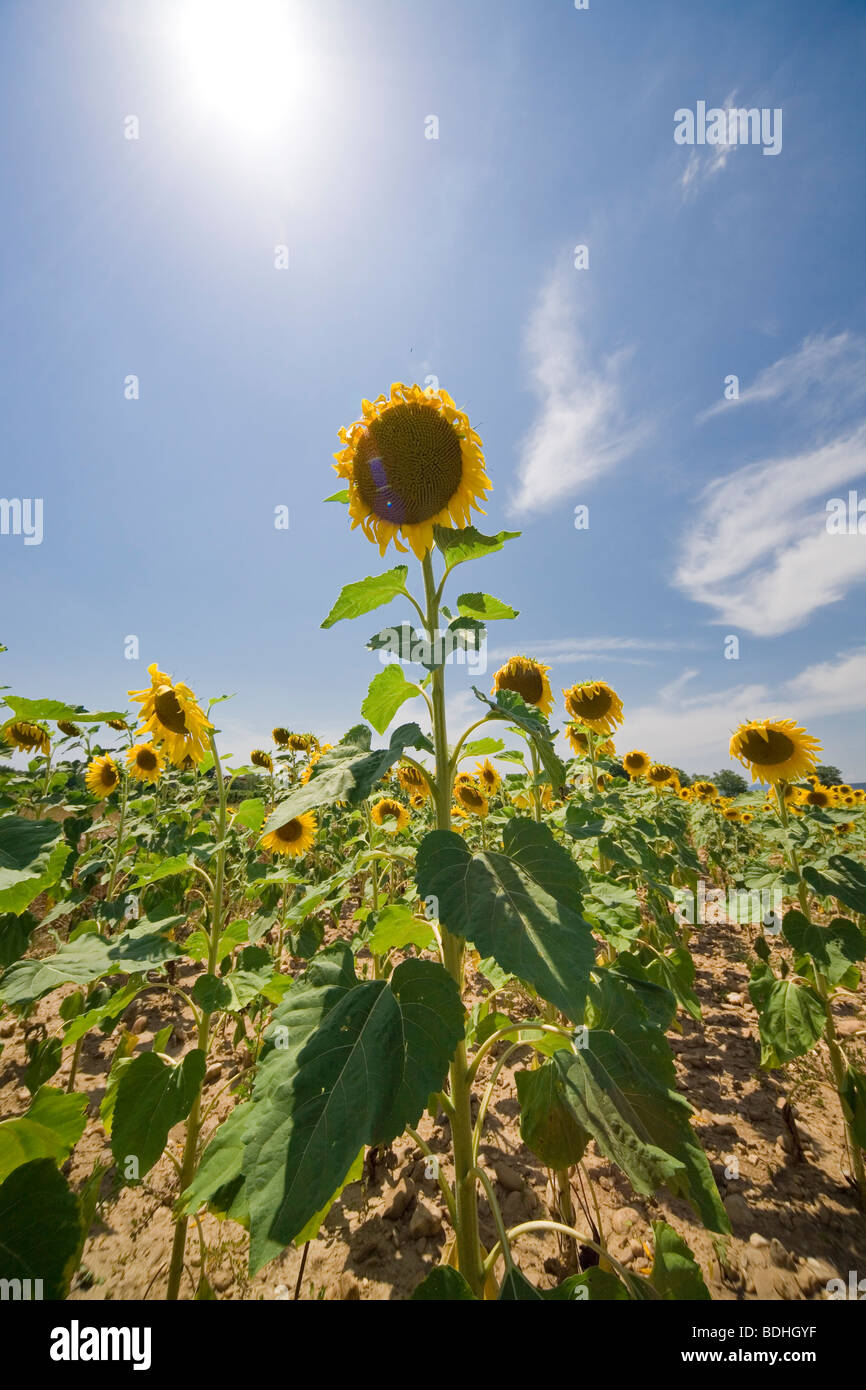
(508, 1177)
(738, 1209)
(624, 1218)
(733, 998)
(281, 1293)
(847, 1027)
(758, 1241)
(421, 1245)
(140, 1024)
(222, 1280)
(213, 1074)
(7, 1028)
(426, 1219)
(779, 1256)
(399, 1199)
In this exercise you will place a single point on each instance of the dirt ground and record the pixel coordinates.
(775, 1140)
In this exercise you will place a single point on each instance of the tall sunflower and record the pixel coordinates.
(412, 462)
(818, 796)
(704, 791)
(390, 814)
(659, 774)
(488, 778)
(595, 704)
(636, 763)
(528, 679)
(101, 777)
(280, 736)
(144, 762)
(294, 838)
(413, 782)
(775, 750)
(172, 717)
(27, 737)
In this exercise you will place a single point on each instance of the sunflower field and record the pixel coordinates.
(451, 1015)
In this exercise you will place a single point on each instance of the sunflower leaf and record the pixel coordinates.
(484, 606)
(34, 710)
(388, 691)
(367, 594)
(510, 706)
(481, 747)
(467, 543)
(32, 856)
(341, 496)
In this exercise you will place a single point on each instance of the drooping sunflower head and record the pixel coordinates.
(308, 770)
(578, 737)
(844, 827)
(27, 737)
(464, 779)
(294, 838)
(528, 679)
(119, 724)
(67, 727)
(731, 813)
(172, 717)
(659, 774)
(412, 462)
(637, 763)
(488, 778)
(101, 777)
(594, 704)
(299, 743)
(280, 736)
(413, 782)
(144, 762)
(417, 801)
(818, 796)
(705, 791)
(262, 759)
(390, 814)
(472, 799)
(775, 750)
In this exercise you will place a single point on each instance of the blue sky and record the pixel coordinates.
(454, 257)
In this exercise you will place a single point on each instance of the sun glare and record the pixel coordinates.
(243, 61)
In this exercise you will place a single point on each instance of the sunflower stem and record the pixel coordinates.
(465, 1196)
(118, 844)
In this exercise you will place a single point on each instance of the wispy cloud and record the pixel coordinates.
(580, 431)
(759, 553)
(707, 160)
(823, 375)
(565, 650)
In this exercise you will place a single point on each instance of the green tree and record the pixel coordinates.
(827, 774)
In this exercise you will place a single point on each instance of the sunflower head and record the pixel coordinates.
(101, 777)
(685, 794)
(308, 770)
(300, 743)
(705, 791)
(488, 778)
(528, 679)
(471, 799)
(412, 462)
(746, 817)
(413, 782)
(636, 763)
(27, 737)
(294, 838)
(170, 714)
(119, 724)
(818, 796)
(775, 750)
(144, 762)
(262, 759)
(594, 704)
(280, 736)
(390, 814)
(659, 774)
(844, 827)
(731, 813)
(67, 727)
(417, 801)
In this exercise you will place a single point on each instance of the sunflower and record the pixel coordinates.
(308, 770)
(412, 462)
(818, 796)
(27, 737)
(659, 773)
(119, 724)
(170, 714)
(299, 743)
(685, 794)
(523, 800)
(528, 679)
(844, 789)
(704, 791)
(747, 817)
(294, 838)
(280, 736)
(844, 827)
(390, 814)
(101, 777)
(464, 779)
(731, 813)
(775, 750)
(67, 727)
(488, 778)
(262, 759)
(417, 801)
(594, 704)
(471, 799)
(144, 762)
(636, 763)
(413, 781)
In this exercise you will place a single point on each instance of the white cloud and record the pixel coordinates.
(707, 160)
(580, 431)
(759, 553)
(561, 650)
(822, 374)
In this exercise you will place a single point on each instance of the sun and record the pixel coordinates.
(243, 61)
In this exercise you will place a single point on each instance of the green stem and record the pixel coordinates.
(194, 1122)
(468, 1243)
(118, 844)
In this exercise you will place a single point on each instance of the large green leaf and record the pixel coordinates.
(32, 856)
(853, 1096)
(388, 691)
(49, 1128)
(675, 1273)
(357, 1077)
(508, 705)
(367, 594)
(40, 1227)
(843, 879)
(34, 710)
(135, 951)
(15, 933)
(396, 927)
(791, 1017)
(484, 606)
(639, 1123)
(346, 773)
(547, 1122)
(834, 948)
(494, 902)
(516, 1288)
(153, 1096)
(466, 543)
(218, 1177)
(443, 1285)
(532, 845)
